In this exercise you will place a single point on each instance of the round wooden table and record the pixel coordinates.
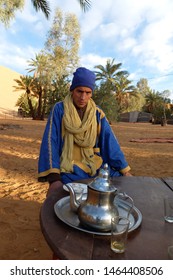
(149, 241)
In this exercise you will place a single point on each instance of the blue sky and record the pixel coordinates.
(139, 34)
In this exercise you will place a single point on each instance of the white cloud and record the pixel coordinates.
(15, 57)
(137, 33)
(90, 60)
(143, 29)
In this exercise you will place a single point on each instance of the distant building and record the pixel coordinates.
(136, 116)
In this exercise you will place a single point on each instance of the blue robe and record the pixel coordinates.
(106, 149)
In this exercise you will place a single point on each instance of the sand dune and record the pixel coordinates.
(8, 96)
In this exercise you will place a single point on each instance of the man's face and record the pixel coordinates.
(81, 95)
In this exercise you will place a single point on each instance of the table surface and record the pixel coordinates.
(168, 181)
(149, 241)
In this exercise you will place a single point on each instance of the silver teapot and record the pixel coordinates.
(99, 206)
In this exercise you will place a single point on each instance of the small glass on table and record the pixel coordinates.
(119, 232)
(170, 252)
(168, 209)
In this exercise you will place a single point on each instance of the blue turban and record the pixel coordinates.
(83, 78)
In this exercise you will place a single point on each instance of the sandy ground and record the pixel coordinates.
(21, 196)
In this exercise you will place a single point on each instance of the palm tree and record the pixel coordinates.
(9, 8)
(123, 92)
(109, 72)
(116, 82)
(152, 100)
(26, 84)
(104, 98)
(38, 65)
(43, 5)
(154, 105)
(42, 80)
(85, 4)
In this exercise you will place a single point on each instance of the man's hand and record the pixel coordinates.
(127, 174)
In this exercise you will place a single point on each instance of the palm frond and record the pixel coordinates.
(43, 6)
(85, 4)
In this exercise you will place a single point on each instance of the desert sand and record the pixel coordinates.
(22, 196)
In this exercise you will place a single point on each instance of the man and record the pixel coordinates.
(78, 139)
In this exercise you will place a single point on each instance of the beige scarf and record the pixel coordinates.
(83, 133)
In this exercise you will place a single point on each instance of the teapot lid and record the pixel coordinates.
(102, 182)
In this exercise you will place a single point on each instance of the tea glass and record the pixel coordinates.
(168, 209)
(119, 232)
(170, 252)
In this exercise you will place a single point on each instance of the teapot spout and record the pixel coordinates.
(74, 202)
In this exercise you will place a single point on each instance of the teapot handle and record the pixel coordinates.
(75, 197)
(126, 197)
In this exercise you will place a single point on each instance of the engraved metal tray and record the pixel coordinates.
(63, 212)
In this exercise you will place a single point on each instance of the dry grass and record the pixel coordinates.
(146, 159)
